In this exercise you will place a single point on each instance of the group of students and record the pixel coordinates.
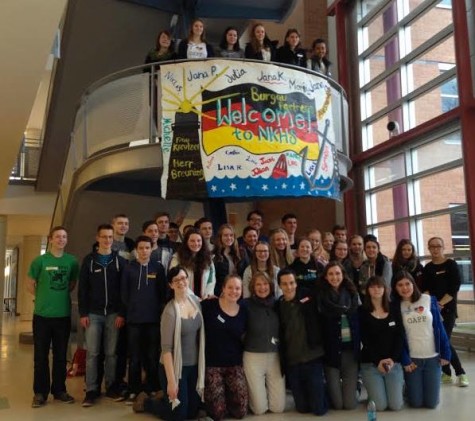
(218, 324)
(259, 47)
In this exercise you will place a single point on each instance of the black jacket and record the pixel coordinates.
(99, 286)
(286, 55)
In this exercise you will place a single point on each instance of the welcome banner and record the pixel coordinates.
(245, 129)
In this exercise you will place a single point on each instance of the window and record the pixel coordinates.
(407, 65)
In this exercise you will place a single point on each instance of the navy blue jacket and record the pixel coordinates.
(144, 290)
(99, 286)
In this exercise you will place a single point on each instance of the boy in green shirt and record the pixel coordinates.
(51, 278)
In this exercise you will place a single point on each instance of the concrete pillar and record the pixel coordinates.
(30, 248)
(3, 249)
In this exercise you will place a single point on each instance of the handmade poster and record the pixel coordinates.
(243, 129)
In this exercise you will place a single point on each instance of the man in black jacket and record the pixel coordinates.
(101, 310)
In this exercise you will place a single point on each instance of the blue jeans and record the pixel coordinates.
(101, 330)
(384, 389)
(47, 332)
(423, 384)
(308, 387)
(187, 395)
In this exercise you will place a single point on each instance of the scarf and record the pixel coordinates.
(335, 303)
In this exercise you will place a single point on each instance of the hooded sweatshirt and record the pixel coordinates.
(144, 291)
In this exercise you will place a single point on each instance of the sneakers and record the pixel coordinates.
(446, 379)
(89, 399)
(64, 397)
(115, 395)
(462, 380)
(130, 399)
(38, 400)
(139, 403)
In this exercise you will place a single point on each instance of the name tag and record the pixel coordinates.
(97, 270)
(51, 268)
(151, 275)
(221, 319)
(392, 323)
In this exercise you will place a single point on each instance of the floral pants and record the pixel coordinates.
(226, 392)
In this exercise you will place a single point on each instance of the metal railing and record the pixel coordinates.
(25, 169)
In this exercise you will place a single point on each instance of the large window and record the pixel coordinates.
(407, 65)
(418, 193)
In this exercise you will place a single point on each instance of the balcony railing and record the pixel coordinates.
(25, 169)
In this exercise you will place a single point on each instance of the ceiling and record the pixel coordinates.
(276, 10)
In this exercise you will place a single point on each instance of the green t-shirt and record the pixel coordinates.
(53, 276)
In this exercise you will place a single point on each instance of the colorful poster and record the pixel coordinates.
(244, 129)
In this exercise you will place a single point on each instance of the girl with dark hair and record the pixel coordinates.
(195, 45)
(375, 264)
(229, 45)
(225, 321)
(291, 52)
(405, 258)
(382, 337)
(426, 347)
(260, 262)
(261, 358)
(260, 47)
(226, 257)
(182, 361)
(194, 256)
(307, 269)
(338, 305)
(164, 50)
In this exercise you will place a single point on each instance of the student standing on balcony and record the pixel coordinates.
(260, 47)
(229, 45)
(291, 52)
(51, 278)
(164, 50)
(195, 46)
(318, 61)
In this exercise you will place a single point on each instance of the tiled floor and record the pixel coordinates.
(16, 370)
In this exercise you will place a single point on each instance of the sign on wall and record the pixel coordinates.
(245, 129)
